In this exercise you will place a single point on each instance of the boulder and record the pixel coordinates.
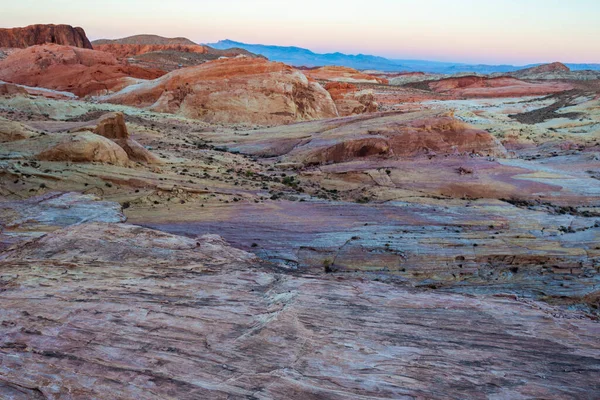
(85, 147)
(112, 126)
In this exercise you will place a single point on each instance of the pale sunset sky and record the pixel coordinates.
(473, 31)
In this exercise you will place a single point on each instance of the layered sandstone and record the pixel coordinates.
(350, 100)
(11, 131)
(233, 90)
(112, 126)
(41, 34)
(375, 135)
(139, 313)
(104, 140)
(80, 71)
(481, 87)
(342, 74)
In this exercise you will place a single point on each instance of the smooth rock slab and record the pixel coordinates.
(20, 220)
(203, 320)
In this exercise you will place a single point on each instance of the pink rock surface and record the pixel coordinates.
(80, 71)
(247, 90)
(126, 312)
(481, 87)
(41, 34)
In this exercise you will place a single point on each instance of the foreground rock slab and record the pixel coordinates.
(118, 311)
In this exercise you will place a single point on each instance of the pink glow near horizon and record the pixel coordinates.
(494, 31)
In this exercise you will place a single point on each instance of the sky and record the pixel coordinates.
(473, 31)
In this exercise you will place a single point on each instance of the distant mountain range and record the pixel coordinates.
(298, 56)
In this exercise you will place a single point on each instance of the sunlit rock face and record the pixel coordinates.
(32, 35)
(482, 87)
(247, 90)
(64, 68)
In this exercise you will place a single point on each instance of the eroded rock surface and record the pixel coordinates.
(112, 126)
(477, 86)
(64, 68)
(33, 35)
(127, 312)
(349, 100)
(343, 74)
(384, 135)
(233, 90)
(446, 246)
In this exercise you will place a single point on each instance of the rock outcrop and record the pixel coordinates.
(33, 35)
(105, 140)
(349, 100)
(85, 147)
(391, 135)
(342, 74)
(11, 131)
(245, 90)
(482, 87)
(112, 126)
(7, 89)
(80, 71)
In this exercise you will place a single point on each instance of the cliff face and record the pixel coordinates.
(40, 34)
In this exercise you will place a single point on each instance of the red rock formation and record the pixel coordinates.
(342, 74)
(247, 90)
(349, 100)
(422, 136)
(40, 34)
(79, 71)
(389, 135)
(482, 87)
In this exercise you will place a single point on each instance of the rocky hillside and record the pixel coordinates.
(554, 71)
(167, 54)
(233, 90)
(146, 40)
(41, 34)
(71, 69)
